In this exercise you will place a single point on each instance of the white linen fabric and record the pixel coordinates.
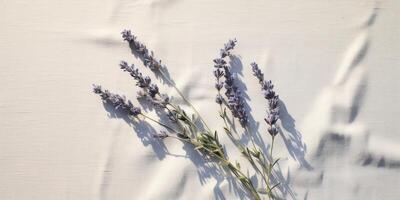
(335, 65)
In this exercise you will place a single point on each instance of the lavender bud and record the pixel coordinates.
(219, 86)
(267, 85)
(119, 102)
(257, 72)
(153, 90)
(219, 99)
(218, 73)
(269, 94)
(127, 35)
(271, 119)
(219, 62)
(147, 80)
(273, 103)
(97, 89)
(106, 94)
(124, 65)
(227, 48)
(273, 131)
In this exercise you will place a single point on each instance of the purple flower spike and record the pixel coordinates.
(127, 35)
(149, 91)
(118, 101)
(273, 100)
(257, 72)
(147, 56)
(234, 99)
(227, 48)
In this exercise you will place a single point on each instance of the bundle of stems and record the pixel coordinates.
(194, 129)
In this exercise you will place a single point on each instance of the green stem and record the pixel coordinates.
(188, 119)
(270, 166)
(183, 97)
(240, 175)
(248, 157)
(161, 124)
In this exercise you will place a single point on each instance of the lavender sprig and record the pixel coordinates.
(148, 56)
(272, 115)
(149, 89)
(119, 102)
(141, 81)
(227, 48)
(235, 100)
(257, 72)
(273, 100)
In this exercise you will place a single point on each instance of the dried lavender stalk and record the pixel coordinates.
(234, 100)
(235, 103)
(272, 113)
(118, 101)
(149, 90)
(273, 100)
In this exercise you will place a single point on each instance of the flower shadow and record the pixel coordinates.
(293, 139)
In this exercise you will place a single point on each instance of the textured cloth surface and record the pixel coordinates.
(335, 65)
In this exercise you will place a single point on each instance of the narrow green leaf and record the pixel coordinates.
(227, 131)
(276, 161)
(274, 186)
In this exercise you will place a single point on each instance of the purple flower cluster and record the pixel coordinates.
(148, 57)
(141, 81)
(227, 48)
(144, 82)
(118, 101)
(220, 65)
(257, 72)
(234, 98)
(273, 100)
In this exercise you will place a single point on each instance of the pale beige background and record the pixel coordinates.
(335, 65)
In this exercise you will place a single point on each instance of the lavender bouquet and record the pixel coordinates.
(193, 129)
